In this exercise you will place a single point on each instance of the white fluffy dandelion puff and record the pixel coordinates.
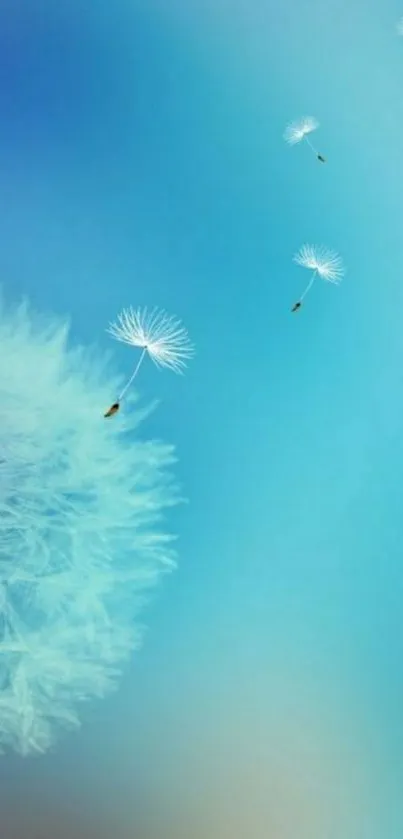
(299, 130)
(157, 334)
(323, 262)
(82, 533)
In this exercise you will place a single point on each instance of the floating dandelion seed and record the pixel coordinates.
(299, 130)
(324, 263)
(158, 334)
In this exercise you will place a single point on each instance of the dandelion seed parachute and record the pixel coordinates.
(81, 539)
(300, 130)
(323, 263)
(158, 335)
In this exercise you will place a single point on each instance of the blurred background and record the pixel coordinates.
(142, 162)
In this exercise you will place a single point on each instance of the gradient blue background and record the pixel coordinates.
(142, 162)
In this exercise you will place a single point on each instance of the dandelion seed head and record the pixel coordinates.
(297, 130)
(327, 263)
(161, 335)
(81, 536)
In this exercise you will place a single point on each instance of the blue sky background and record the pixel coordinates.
(142, 162)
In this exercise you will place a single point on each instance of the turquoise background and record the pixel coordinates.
(142, 162)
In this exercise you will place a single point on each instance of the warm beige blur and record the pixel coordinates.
(299, 769)
(295, 769)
